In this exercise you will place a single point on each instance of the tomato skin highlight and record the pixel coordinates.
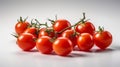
(26, 41)
(62, 46)
(85, 42)
(44, 45)
(103, 39)
(61, 24)
(20, 27)
(32, 30)
(70, 34)
(86, 27)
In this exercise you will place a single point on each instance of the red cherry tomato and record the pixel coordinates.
(32, 30)
(44, 45)
(46, 32)
(26, 41)
(21, 26)
(62, 46)
(103, 39)
(60, 25)
(86, 27)
(71, 35)
(85, 42)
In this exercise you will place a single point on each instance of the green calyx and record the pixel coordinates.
(53, 21)
(22, 20)
(49, 30)
(100, 29)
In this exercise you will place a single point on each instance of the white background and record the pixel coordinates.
(100, 12)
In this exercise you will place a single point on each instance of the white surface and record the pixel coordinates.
(100, 12)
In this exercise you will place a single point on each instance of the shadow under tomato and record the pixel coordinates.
(77, 55)
(33, 50)
(53, 53)
(77, 49)
(70, 55)
(114, 47)
(103, 51)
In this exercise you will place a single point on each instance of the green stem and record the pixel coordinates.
(25, 18)
(46, 24)
(75, 33)
(52, 21)
(70, 27)
(37, 21)
(82, 20)
(21, 19)
(100, 29)
(33, 24)
(84, 16)
(16, 36)
(65, 29)
(42, 24)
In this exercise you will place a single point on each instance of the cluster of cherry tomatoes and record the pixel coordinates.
(61, 37)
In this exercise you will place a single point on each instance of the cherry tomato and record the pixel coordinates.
(103, 39)
(71, 35)
(85, 42)
(44, 45)
(21, 26)
(86, 27)
(62, 46)
(60, 25)
(46, 32)
(32, 30)
(26, 41)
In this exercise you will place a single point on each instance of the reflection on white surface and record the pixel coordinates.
(103, 12)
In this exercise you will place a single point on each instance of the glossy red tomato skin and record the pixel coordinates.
(20, 27)
(43, 32)
(32, 30)
(62, 46)
(86, 27)
(85, 42)
(70, 34)
(44, 45)
(61, 24)
(103, 39)
(26, 41)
